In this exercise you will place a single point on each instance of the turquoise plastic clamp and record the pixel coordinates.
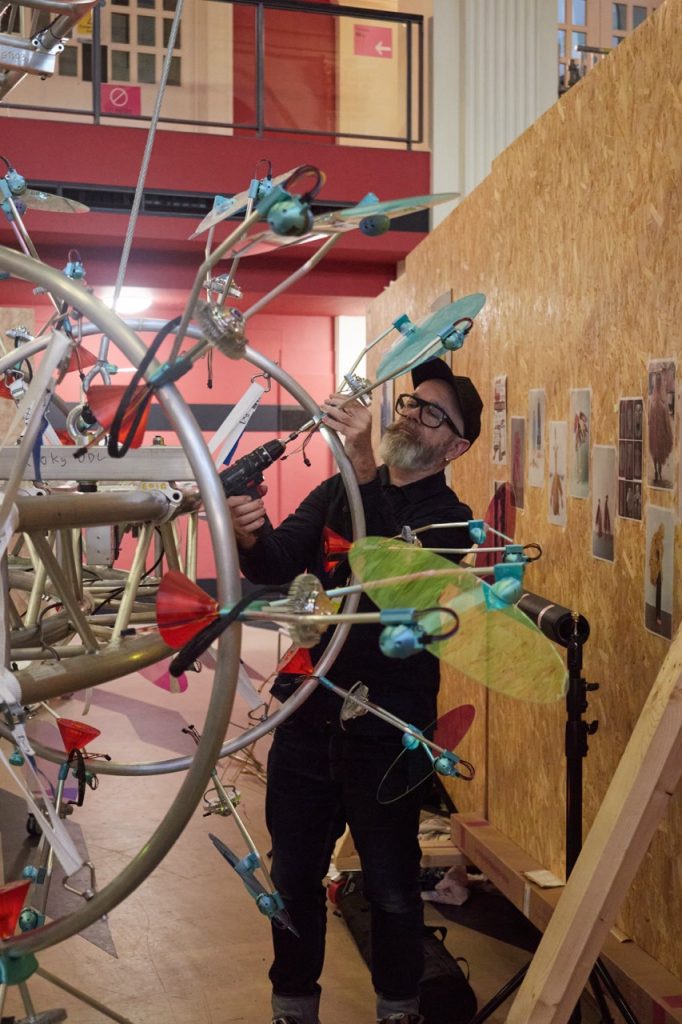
(15, 969)
(30, 918)
(75, 270)
(404, 324)
(411, 742)
(478, 531)
(397, 616)
(269, 903)
(454, 339)
(514, 553)
(446, 763)
(401, 641)
(37, 875)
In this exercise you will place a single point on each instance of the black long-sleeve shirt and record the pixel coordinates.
(406, 687)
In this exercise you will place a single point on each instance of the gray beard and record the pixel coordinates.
(399, 447)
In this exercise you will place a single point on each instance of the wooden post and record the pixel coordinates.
(635, 803)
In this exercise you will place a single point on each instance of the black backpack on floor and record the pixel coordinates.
(445, 995)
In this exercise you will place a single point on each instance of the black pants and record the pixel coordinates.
(317, 783)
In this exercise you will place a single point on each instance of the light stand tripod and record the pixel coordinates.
(571, 631)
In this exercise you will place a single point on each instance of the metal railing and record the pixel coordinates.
(409, 41)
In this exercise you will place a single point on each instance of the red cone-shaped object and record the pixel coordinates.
(453, 726)
(81, 359)
(75, 735)
(12, 898)
(296, 662)
(104, 400)
(182, 609)
(501, 515)
(334, 546)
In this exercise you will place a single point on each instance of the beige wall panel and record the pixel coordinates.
(576, 239)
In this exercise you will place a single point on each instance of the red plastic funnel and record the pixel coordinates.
(104, 400)
(12, 898)
(80, 359)
(453, 726)
(296, 662)
(182, 609)
(501, 515)
(76, 735)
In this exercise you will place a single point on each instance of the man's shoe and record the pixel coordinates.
(402, 1018)
(284, 1020)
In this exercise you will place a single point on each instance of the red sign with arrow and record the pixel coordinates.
(372, 41)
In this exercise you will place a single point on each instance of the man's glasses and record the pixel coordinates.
(430, 415)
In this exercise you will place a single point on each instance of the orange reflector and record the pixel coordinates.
(12, 898)
(182, 609)
(75, 735)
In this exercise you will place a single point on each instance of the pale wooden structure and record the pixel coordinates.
(576, 239)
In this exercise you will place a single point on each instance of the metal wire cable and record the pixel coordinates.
(144, 167)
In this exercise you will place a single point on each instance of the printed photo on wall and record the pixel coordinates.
(604, 497)
(536, 438)
(518, 458)
(661, 422)
(499, 455)
(630, 430)
(658, 572)
(580, 415)
(558, 432)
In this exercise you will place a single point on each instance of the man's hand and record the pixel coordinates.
(248, 515)
(353, 420)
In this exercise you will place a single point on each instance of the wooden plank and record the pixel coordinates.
(435, 854)
(651, 991)
(635, 803)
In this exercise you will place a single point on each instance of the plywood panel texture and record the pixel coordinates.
(575, 238)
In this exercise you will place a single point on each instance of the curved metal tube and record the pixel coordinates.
(149, 325)
(222, 693)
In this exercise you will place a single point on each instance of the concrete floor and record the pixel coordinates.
(191, 947)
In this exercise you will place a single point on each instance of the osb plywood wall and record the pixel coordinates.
(575, 237)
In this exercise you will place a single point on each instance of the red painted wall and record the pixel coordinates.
(300, 71)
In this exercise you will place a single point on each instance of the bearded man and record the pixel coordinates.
(322, 776)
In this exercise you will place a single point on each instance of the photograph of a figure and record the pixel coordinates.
(661, 424)
(499, 454)
(630, 421)
(536, 437)
(579, 463)
(518, 457)
(604, 501)
(556, 512)
(658, 572)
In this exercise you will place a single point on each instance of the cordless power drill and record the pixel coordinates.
(244, 475)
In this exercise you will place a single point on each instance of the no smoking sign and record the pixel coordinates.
(121, 99)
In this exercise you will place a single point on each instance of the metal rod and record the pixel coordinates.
(296, 276)
(83, 997)
(134, 576)
(76, 615)
(98, 509)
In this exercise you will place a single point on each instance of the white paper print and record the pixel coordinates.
(499, 455)
(518, 458)
(536, 438)
(604, 500)
(661, 424)
(580, 421)
(658, 571)
(630, 451)
(556, 512)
